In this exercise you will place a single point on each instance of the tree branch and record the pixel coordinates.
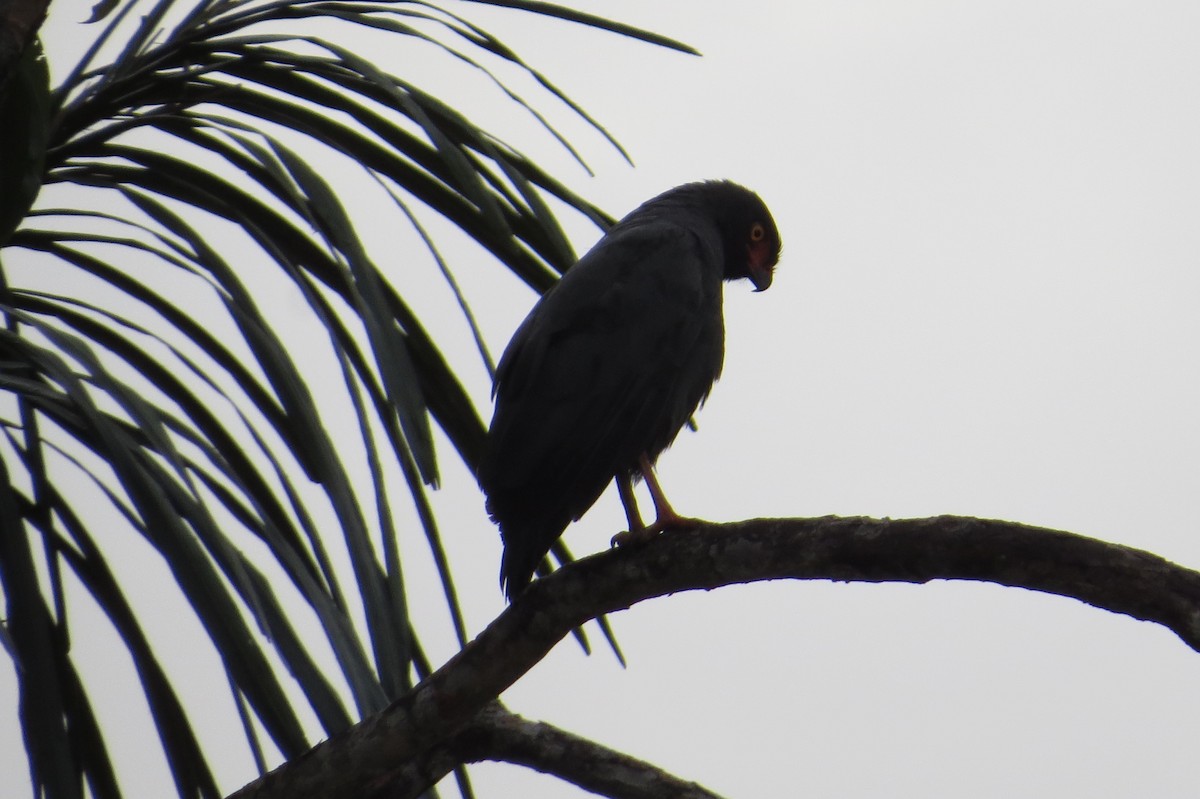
(501, 735)
(358, 762)
(497, 734)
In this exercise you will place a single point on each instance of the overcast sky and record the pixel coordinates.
(985, 306)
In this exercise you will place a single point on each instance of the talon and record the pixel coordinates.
(672, 522)
(650, 532)
(630, 537)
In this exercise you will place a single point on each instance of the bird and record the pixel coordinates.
(612, 362)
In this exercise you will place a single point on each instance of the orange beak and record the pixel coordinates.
(760, 265)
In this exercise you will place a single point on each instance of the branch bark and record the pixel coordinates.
(1120, 579)
(498, 734)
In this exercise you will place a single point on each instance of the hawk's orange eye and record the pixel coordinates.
(757, 232)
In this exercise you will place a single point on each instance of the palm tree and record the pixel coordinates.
(205, 171)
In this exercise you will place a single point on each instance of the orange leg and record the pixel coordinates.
(625, 491)
(665, 516)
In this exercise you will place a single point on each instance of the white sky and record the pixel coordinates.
(986, 306)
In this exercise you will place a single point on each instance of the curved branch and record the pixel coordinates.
(497, 734)
(1107, 576)
(500, 735)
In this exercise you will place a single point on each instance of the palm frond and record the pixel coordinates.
(173, 310)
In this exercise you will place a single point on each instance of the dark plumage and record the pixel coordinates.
(611, 362)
